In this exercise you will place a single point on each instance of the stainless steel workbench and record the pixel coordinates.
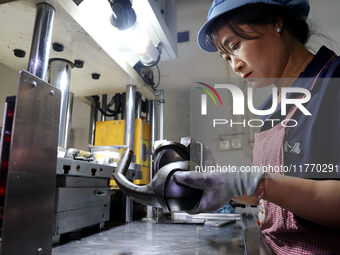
(146, 238)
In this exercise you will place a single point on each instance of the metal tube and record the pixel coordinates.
(93, 120)
(104, 104)
(41, 41)
(138, 105)
(59, 76)
(161, 114)
(129, 116)
(68, 119)
(154, 121)
(154, 137)
(148, 110)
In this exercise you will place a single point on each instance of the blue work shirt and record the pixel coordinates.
(316, 138)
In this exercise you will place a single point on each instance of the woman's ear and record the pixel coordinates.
(278, 23)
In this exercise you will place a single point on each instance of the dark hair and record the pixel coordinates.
(258, 14)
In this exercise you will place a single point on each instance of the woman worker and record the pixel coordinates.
(299, 212)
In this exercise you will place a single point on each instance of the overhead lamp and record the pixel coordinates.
(124, 19)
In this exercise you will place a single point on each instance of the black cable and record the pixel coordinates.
(116, 100)
(96, 100)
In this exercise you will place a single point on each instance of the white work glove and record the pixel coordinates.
(218, 188)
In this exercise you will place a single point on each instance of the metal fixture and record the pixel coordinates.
(162, 191)
(41, 42)
(59, 76)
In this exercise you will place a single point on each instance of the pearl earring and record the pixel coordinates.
(279, 29)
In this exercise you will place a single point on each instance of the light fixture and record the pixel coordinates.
(124, 19)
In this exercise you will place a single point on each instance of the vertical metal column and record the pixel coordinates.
(104, 103)
(41, 42)
(138, 105)
(59, 76)
(93, 120)
(69, 119)
(129, 116)
(161, 114)
(148, 110)
(154, 137)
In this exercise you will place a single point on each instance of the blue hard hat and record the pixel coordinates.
(219, 7)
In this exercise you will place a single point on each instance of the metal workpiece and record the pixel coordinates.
(162, 191)
(31, 179)
(199, 153)
(142, 194)
(59, 76)
(41, 41)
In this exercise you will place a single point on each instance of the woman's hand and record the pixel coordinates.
(218, 188)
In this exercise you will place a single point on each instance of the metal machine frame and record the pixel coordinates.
(40, 198)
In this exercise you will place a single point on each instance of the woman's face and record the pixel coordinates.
(253, 60)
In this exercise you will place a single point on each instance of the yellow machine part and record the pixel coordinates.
(112, 133)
